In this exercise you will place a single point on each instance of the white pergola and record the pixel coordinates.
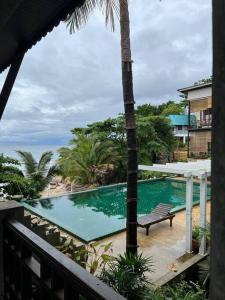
(200, 169)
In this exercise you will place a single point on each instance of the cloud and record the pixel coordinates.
(71, 80)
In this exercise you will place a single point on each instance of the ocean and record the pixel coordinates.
(36, 150)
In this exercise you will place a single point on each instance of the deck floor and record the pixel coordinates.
(164, 244)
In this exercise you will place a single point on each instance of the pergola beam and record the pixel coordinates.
(9, 82)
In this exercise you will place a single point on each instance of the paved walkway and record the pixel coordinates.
(164, 244)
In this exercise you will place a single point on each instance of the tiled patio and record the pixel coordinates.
(164, 244)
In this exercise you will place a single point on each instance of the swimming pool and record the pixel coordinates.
(98, 213)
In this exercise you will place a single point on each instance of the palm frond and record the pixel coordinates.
(79, 16)
(110, 8)
(44, 161)
(29, 162)
(53, 170)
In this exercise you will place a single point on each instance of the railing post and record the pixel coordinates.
(8, 209)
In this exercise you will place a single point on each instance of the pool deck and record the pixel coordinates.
(164, 244)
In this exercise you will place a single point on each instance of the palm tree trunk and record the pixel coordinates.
(128, 96)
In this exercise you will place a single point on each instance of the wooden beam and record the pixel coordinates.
(217, 257)
(9, 82)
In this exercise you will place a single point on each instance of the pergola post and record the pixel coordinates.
(189, 204)
(203, 201)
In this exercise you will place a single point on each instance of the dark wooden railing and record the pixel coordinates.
(33, 269)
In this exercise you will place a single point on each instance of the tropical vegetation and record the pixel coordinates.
(182, 290)
(127, 275)
(13, 178)
(97, 153)
(89, 160)
(39, 174)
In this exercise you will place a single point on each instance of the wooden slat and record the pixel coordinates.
(56, 276)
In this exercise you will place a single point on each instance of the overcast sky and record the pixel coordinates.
(71, 80)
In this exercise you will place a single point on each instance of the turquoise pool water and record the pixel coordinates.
(102, 212)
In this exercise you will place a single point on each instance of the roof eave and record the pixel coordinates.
(194, 87)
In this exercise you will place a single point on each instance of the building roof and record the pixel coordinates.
(24, 22)
(195, 87)
(181, 120)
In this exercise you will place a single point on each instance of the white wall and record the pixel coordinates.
(200, 93)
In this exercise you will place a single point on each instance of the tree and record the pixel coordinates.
(75, 20)
(11, 174)
(88, 161)
(39, 173)
(173, 109)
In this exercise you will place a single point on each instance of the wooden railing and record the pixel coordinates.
(33, 269)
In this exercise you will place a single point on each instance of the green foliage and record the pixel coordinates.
(179, 291)
(127, 275)
(10, 173)
(93, 256)
(98, 153)
(198, 232)
(89, 160)
(204, 80)
(173, 109)
(39, 173)
(150, 174)
(146, 110)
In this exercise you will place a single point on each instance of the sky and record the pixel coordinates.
(69, 81)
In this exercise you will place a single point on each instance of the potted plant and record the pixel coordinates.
(197, 234)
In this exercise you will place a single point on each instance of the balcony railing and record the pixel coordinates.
(33, 269)
(204, 123)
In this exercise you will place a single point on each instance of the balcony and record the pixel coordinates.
(30, 268)
(204, 123)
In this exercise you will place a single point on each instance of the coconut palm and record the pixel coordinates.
(77, 18)
(39, 173)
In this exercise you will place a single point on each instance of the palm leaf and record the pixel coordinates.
(44, 161)
(29, 163)
(79, 16)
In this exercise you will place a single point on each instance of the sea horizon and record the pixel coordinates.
(36, 150)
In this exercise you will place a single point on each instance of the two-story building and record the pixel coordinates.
(180, 125)
(200, 106)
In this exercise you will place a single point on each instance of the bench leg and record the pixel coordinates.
(147, 230)
(171, 222)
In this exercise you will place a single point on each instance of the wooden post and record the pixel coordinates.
(9, 82)
(7, 209)
(217, 253)
(189, 204)
(203, 202)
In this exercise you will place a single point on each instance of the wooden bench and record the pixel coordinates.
(159, 214)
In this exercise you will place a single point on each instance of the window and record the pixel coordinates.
(179, 127)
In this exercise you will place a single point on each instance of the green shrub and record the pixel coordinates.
(127, 275)
(150, 174)
(180, 291)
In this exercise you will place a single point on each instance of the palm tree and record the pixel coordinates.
(39, 173)
(75, 19)
(87, 159)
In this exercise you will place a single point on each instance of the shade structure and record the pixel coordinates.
(200, 169)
